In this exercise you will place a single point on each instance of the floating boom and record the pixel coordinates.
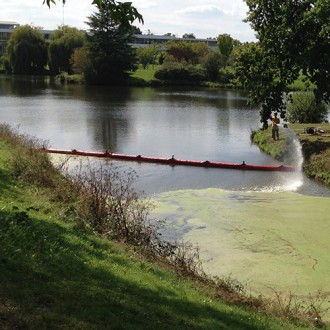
(173, 161)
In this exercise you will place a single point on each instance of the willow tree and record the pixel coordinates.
(26, 51)
(294, 38)
(63, 41)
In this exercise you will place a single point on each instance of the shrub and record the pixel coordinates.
(303, 107)
(174, 71)
(212, 63)
(109, 206)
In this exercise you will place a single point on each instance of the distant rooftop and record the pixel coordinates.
(8, 24)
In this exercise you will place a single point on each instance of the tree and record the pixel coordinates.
(169, 34)
(225, 44)
(294, 38)
(256, 71)
(188, 36)
(201, 49)
(303, 108)
(111, 56)
(122, 13)
(147, 55)
(212, 63)
(136, 30)
(63, 42)
(26, 51)
(181, 51)
(81, 60)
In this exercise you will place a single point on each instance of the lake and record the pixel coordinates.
(266, 229)
(197, 124)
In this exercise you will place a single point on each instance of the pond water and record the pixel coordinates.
(267, 229)
(198, 124)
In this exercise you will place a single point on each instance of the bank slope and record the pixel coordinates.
(57, 275)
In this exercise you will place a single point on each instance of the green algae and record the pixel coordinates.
(267, 240)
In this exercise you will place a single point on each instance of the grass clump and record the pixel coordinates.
(77, 252)
(263, 138)
(318, 167)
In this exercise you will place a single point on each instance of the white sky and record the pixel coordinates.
(202, 18)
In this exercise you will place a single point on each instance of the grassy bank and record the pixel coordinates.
(59, 271)
(315, 148)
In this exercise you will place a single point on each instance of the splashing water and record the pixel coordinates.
(284, 182)
(295, 155)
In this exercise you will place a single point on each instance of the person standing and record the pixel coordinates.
(275, 127)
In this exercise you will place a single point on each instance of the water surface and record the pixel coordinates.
(266, 229)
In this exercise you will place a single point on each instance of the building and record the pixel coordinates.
(144, 40)
(6, 29)
(138, 40)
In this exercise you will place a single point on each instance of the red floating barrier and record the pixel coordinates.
(173, 161)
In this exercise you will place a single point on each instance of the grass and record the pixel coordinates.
(146, 74)
(57, 274)
(316, 148)
(64, 77)
(264, 140)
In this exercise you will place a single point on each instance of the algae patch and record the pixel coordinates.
(264, 239)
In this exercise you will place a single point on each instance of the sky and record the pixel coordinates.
(205, 19)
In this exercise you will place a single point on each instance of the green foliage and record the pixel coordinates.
(256, 71)
(26, 51)
(181, 51)
(185, 51)
(303, 108)
(201, 50)
(188, 36)
(147, 55)
(227, 75)
(212, 63)
(80, 60)
(225, 45)
(122, 13)
(294, 38)
(173, 71)
(318, 166)
(63, 42)
(28, 160)
(111, 56)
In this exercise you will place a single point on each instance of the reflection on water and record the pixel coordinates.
(199, 124)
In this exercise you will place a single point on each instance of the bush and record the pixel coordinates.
(303, 107)
(174, 71)
(212, 64)
(109, 206)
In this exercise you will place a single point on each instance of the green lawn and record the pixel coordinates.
(146, 74)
